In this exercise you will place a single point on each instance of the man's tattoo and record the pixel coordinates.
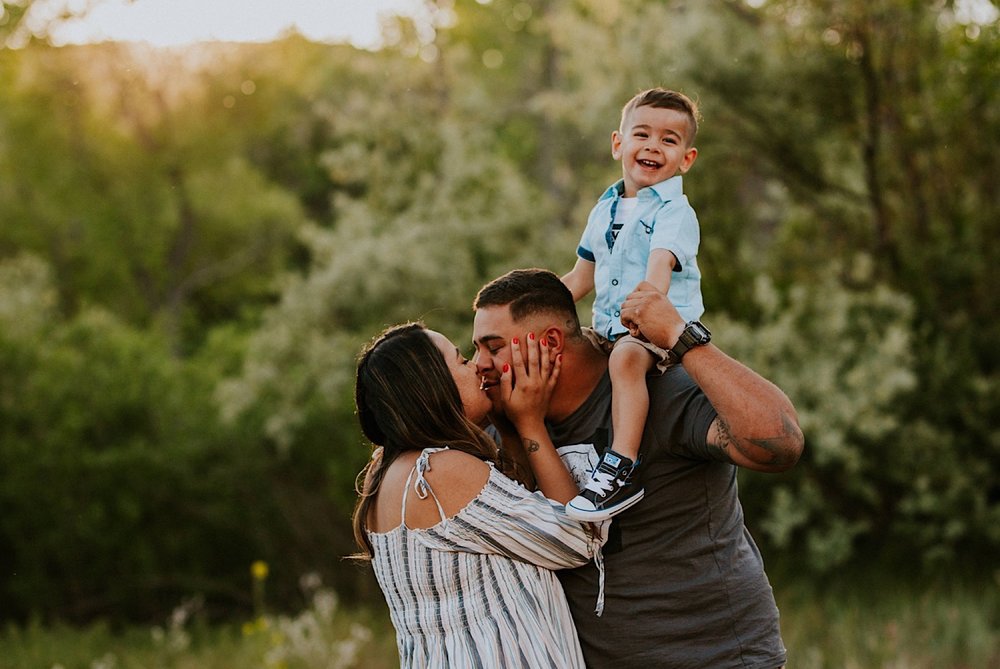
(725, 436)
(530, 445)
(776, 447)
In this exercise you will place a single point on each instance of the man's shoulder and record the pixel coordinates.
(674, 378)
(674, 396)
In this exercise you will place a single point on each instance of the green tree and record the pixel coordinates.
(132, 184)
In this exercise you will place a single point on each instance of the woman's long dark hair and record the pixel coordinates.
(407, 400)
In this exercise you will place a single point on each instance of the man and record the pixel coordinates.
(684, 581)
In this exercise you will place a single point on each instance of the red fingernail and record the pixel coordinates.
(543, 343)
(514, 341)
(506, 368)
(531, 336)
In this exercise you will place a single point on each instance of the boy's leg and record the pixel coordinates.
(629, 365)
(611, 489)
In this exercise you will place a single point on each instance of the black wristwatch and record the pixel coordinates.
(695, 334)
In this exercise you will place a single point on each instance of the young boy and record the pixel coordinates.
(642, 228)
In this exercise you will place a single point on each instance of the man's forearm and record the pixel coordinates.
(757, 426)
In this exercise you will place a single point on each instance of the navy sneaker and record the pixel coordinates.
(608, 492)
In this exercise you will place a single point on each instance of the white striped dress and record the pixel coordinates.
(477, 590)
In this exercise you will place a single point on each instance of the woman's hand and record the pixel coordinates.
(527, 383)
(525, 388)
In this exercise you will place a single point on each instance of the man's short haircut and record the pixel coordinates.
(528, 292)
(661, 98)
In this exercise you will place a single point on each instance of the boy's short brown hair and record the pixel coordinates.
(663, 98)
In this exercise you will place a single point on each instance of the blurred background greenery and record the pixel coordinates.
(195, 244)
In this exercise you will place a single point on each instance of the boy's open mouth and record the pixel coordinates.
(648, 163)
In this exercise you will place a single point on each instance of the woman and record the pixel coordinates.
(463, 553)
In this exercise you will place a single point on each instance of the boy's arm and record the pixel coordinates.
(580, 279)
(660, 268)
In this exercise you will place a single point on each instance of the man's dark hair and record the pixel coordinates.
(528, 292)
(661, 98)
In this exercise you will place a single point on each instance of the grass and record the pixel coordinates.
(881, 625)
(860, 626)
(323, 636)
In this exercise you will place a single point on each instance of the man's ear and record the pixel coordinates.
(554, 338)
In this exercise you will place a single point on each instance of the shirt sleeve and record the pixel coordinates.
(676, 230)
(680, 415)
(584, 249)
(506, 519)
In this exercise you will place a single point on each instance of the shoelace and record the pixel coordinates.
(601, 481)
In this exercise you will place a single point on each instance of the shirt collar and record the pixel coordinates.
(666, 190)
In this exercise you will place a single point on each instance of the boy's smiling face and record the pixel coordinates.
(653, 146)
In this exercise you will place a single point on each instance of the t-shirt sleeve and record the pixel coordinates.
(506, 519)
(681, 415)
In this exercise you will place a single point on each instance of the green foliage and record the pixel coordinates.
(189, 239)
(194, 247)
(120, 493)
(871, 482)
(844, 357)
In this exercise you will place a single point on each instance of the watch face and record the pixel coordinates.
(700, 332)
(696, 334)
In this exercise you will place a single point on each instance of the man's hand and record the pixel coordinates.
(648, 312)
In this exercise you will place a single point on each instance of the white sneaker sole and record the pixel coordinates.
(595, 515)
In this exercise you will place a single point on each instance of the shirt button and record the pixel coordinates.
(614, 282)
(617, 314)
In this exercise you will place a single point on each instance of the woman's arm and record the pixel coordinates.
(498, 515)
(526, 386)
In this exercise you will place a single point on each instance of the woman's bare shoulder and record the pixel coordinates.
(455, 477)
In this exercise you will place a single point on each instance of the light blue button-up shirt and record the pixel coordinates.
(663, 219)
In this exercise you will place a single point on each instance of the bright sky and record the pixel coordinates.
(179, 22)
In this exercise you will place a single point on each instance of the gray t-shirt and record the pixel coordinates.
(685, 584)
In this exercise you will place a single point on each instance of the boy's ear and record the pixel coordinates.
(688, 161)
(616, 145)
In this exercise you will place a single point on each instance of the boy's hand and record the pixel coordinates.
(634, 330)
